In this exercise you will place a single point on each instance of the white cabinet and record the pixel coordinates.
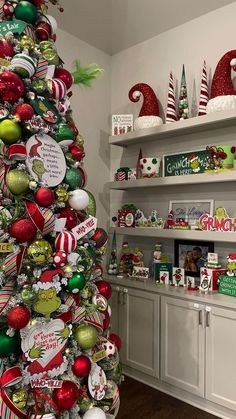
(182, 345)
(220, 357)
(114, 303)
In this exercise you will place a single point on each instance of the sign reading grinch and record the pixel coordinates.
(220, 221)
(186, 163)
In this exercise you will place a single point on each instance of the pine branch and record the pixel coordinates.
(85, 75)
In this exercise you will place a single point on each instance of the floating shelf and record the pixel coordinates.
(188, 126)
(215, 236)
(175, 180)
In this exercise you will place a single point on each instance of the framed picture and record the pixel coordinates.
(190, 211)
(192, 255)
(140, 272)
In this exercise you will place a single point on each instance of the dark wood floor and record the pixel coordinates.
(142, 402)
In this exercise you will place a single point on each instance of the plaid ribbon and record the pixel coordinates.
(13, 263)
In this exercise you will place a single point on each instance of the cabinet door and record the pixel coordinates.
(182, 345)
(114, 304)
(220, 361)
(140, 316)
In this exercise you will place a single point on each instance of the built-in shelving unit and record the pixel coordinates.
(189, 126)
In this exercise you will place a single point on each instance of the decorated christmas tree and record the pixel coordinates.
(57, 359)
(183, 97)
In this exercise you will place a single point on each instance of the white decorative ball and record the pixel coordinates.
(94, 413)
(50, 19)
(78, 199)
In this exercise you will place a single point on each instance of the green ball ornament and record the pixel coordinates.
(28, 295)
(76, 283)
(8, 345)
(17, 182)
(92, 207)
(86, 336)
(74, 178)
(69, 158)
(26, 11)
(85, 261)
(39, 252)
(10, 131)
(51, 56)
(65, 135)
(43, 45)
(39, 86)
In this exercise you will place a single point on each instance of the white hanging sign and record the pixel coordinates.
(85, 227)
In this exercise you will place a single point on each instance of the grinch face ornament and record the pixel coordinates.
(47, 301)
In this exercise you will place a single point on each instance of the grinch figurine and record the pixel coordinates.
(231, 265)
(126, 265)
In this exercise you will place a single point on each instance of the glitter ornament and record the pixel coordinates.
(17, 181)
(18, 317)
(39, 86)
(86, 336)
(204, 93)
(94, 413)
(66, 396)
(64, 134)
(78, 199)
(24, 112)
(23, 230)
(28, 295)
(65, 76)
(61, 195)
(171, 114)
(12, 87)
(43, 31)
(45, 197)
(75, 178)
(6, 49)
(91, 208)
(39, 252)
(8, 344)
(26, 42)
(149, 113)
(10, 131)
(52, 57)
(19, 398)
(81, 366)
(71, 218)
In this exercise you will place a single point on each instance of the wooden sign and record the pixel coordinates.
(188, 163)
(228, 285)
(219, 222)
(85, 227)
(14, 26)
(6, 248)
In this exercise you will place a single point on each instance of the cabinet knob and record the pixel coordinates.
(117, 288)
(125, 290)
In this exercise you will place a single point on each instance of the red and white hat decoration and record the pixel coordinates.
(66, 241)
(231, 257)
(149, 113)
(51, 279)
(192, 157)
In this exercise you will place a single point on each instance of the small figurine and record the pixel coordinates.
(140, 219)
(231, 265)
(157, 253)
(170, 220)
(137, 257)
(178, 277)
(152, 219)
(160, 223)
(126, 265)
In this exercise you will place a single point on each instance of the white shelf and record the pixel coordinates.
(188, 126)
(215, 236)
(175, 180)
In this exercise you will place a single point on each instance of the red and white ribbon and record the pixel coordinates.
(17, 152)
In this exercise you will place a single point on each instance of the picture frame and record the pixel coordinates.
(191, 210)
(140, 272)
(191, 255)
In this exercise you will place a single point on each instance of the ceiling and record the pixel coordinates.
(114, 25)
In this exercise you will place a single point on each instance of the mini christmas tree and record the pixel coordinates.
(113, 264)
(183, 98)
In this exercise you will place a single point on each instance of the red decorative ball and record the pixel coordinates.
(58, 88)
(37, 3)
(106, 320)
(8, 9)
(77, 152)
(23, 230)
(43, 31)
(71, 218)
(66, 241)
(116, 340)
(81, 366)
(44, 197)
(11, 87)
(59, 259)
(64, 75)
(24, 112)
(18, 317)
(66, 396)
(6, 49)
(104, 288)
(71, 122)
(100, 237)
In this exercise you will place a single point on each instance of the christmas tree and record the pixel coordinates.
(183, 98)
(57, 359)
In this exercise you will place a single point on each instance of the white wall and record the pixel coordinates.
(91, 108)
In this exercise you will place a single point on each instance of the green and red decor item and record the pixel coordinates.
(210, 279)
(163, 273)
(122, 174)
(220, 221)
(126, 216)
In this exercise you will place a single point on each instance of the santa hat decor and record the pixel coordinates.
(223, 93)
(171, 114)
(204, 94)
(149, 113)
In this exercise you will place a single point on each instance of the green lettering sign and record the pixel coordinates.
(14, 26)
(190, 163)
(227, 285)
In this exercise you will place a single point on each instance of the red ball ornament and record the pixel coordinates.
(77, 152)
(100, 238)
(81, 366)
(64, 75)
(71, 122)
(58, 88)
(11, 87)
(116, 340)
(18, 317)
(44, 197)
(8, 9)
(23, 230)
(43, 31)
(106, 320)
(66, 396)
(6, 49)
(66, 241)
(37, 3)
(59, 259)
(104, 288)
(24, 112)
(71, 218)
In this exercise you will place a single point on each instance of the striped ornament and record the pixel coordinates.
(13, 262)
(49, 221)
(121, 176)
(5, 295)
(95, 318)
(24, 65)
(29, 31)
(78, 315)
(3, 186)
(66, 241)
(171, 114)
(41, 67)
(6, 412)
(58, 88)
(204, 94)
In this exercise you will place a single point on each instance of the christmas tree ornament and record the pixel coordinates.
(76, 283)
(81, 366)
(66, 396)
(75, 177)
(223, 92)
(100, 237)
(116, 340)
(109, 348)
(71, 218)
(6, 49)
(18, 317)
(94, 413)
(23, 65)
(26, 11)
(26, 42)
(39, 252)
(23, 230)
(104, 288)
(19, 398)
(58, 88)
(183, 98)
(149, 113)
(52, 21)
(43, 31)
(204, 93)
(8, 344)
(43, 218)
(8, 9)
(45, 197)
(61, 194)
(39, 86)
(28, 294)
(100, 302)
(86, 336)
(78, 199)
(12, 87)
(97, 382)
(91, 207)
(64, 134)
(66, 241)
(77, 152)
(84, 261)
(60, 259)
(106, 320)
(171, 114)
(51, 56)
(24, 112)
(65, 76)
(17, 181)
(10, 131)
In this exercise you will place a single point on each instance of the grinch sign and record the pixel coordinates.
(228, 285)
(219, 222)
(190, 163)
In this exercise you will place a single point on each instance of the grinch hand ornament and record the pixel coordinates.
(149, 113)
(223, 93)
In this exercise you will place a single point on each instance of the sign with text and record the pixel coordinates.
(228, 285)
(85, 227)
(187, 163)
(14, 26)
(6, 248)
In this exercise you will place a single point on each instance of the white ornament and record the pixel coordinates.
(109, 348)
(52, 21)
(94, 413)
(147, 122)
(46, 416)
(78, 199)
